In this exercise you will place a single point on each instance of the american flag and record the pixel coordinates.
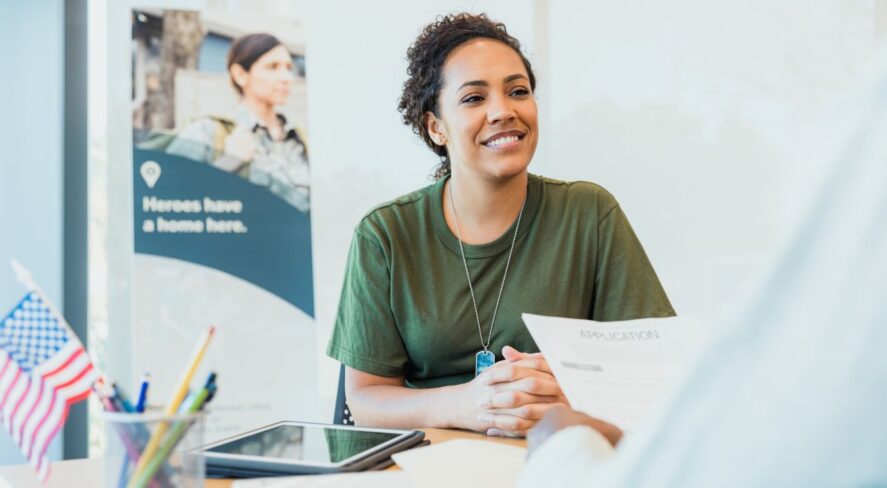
(43, 370)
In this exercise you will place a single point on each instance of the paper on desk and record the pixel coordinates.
(462, 463)
(615, 371)
(369, 479)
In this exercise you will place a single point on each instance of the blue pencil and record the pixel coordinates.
(143, 393)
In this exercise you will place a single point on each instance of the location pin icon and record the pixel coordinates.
(150, 171)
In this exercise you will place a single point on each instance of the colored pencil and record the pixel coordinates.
(173, 406)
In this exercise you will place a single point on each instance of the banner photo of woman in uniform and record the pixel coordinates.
(222, 209)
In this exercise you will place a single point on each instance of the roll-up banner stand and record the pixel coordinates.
(222, 211)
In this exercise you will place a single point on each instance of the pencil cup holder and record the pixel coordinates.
(153, 450)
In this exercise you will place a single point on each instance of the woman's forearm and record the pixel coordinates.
(402, 407)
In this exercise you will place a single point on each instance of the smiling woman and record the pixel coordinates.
(436, 280)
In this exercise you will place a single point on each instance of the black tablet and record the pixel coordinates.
(288, 448)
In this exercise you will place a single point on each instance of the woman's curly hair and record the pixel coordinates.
(426, 59)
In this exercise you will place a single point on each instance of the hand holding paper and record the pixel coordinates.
(615, 371)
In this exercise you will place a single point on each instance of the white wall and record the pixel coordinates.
(31, 139)
(687, 111)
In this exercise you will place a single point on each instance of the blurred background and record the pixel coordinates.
(691, 113)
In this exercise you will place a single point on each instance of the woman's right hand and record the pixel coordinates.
(240, 144)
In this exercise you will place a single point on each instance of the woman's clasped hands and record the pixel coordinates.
(513, 394)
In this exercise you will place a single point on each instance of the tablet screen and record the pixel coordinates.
(312, 443)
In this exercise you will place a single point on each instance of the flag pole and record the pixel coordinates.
(23, 275)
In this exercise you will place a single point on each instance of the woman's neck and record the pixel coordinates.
(264, 111)
(484, 209)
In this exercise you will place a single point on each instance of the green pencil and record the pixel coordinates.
(175, 435)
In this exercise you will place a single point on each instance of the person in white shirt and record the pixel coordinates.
(793, 391)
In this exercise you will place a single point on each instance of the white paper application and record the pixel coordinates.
(463, 463)
(615, 371)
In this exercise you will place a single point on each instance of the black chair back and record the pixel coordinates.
(342, 414)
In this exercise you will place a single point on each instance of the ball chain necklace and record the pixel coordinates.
(484, 358)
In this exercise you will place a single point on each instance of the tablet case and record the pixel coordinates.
(243, 468)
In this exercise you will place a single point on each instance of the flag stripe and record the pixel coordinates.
(36, 430)
(25, 406)
(12, 386)
(43, 471)
(42, 443)
(55, 421)
(6, 362)
(60, 379)
(21, 430)
(5, 379)
(35, 421)
(82, 387)
(72, 356)
(77, 369)
(17, 400)
(61, 356)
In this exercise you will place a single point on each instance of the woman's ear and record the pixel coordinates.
(435, 129)
(239, 75)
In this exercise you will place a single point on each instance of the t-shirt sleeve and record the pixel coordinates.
(626, 286)
(365, 335)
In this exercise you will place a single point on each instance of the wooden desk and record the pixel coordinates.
(86, 473)
(436, 436)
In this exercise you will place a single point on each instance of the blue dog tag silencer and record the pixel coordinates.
(482, 361)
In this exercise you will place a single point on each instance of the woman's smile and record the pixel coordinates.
(505, 141)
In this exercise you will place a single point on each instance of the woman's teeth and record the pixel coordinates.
(502, 140)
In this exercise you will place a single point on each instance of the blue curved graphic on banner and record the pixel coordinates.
(200, 214)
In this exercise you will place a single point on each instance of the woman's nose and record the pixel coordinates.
(500, 109)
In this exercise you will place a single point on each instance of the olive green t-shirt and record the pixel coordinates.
(406, 309)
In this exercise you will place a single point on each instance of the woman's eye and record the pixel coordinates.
(520, 92)
(472, 99)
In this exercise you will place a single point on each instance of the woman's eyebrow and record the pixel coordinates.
(474, 83)
(508, 79)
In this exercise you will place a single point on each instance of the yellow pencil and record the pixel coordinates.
(173, 406)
